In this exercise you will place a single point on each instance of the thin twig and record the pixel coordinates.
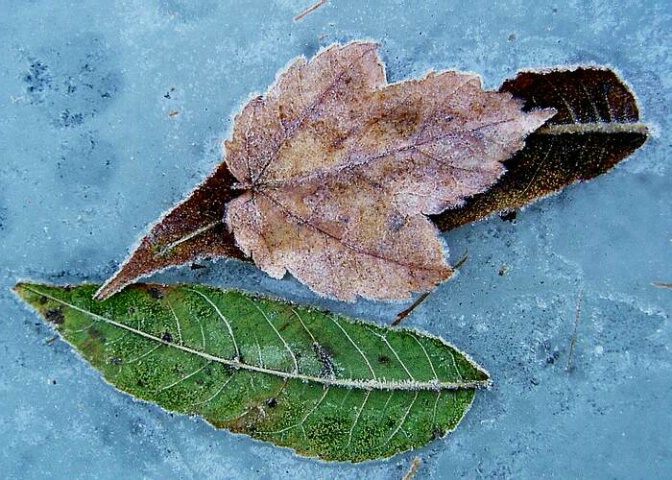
(415, 466)
(577, 319)
(410, 309)
(461, 261)
(662, 285)
(309, 10)
(405, 313)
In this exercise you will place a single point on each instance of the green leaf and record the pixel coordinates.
(315, 382)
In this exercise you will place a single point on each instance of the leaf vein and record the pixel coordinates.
(379, 384)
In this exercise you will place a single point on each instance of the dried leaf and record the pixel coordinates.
(595, 128)
(549, 161)
(339, 170)
(318, 383)
(192, 230)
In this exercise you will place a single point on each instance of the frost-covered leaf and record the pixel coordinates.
(315, 382)
(193, 230)
(596, 126)
(337, 170)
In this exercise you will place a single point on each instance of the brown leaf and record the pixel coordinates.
(339, 170)
(595, 128)
(547, 163)
(192, 230)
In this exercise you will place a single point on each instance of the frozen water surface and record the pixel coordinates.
(91, 156)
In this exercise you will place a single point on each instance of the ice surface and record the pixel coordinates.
(91, 156)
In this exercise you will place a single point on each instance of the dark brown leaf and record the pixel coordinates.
(595, 128)
(192, 230)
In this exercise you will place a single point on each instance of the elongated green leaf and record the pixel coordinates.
(318, 383)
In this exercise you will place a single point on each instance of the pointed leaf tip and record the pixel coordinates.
(596, 127)
(193, 230)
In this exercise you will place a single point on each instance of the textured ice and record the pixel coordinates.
(91, 155)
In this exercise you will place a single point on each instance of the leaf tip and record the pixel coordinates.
(106, 290)
(30, 294)
(22, 290)
(536, 118)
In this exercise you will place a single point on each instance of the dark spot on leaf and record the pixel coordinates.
(509, 216)
(55, 316)
(43, 300)
(272, 402)
(284, 326)
(396, 222)
(385, 360)
(116, 361)
(96, 334)
(155, 293)
(167, 337)
(325, 359)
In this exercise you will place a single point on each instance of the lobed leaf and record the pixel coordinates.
(338, 170)
(315, 382)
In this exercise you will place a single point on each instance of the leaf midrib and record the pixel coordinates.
(592, 127)
(368, 384)
(366, 161)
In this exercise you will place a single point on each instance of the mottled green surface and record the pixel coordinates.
(320, 384)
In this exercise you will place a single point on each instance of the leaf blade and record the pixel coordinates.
(596, 126)
(337, 188)
(557, 155)
(192, 230)
(262, 376)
